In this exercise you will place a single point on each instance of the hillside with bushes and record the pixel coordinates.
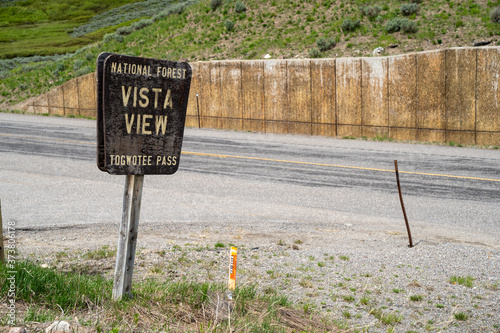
(225, 29)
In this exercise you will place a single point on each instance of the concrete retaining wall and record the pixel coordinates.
(442, 96)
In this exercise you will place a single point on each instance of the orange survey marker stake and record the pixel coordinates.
(232, 268)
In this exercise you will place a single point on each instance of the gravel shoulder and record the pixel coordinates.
(364, 276)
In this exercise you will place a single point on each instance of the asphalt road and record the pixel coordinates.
(48, 176)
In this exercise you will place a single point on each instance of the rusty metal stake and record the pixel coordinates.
(198, 107)
(402, 204)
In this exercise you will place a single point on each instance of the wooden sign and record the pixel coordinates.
(141, 112)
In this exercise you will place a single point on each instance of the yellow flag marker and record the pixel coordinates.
(232, 268)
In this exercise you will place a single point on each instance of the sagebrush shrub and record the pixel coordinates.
(409, 26)
(83, 71)
(229, 25)
(371, 11)
(325, 44)
(393, 25)
(124, 30)
(118, 38)
(314, 53)
(178, 8)
(78, 64)
(408, 8)
(107, 38)
(60, 66)
(240, 7)
(214, 4)
(350, 25)
(398, 24)
(495, 15)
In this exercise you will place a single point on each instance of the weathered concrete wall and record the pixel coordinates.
(74, 98)
(431, 97)
(442, 96)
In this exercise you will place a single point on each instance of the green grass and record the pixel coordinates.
(47, 295)
(36, 285)
(416, 298)
(387, 318)
(41, 28)
(461, 316)
(467, 281)
(348, 298)
(219, 245)
(101, 253)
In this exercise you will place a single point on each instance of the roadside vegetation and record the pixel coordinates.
(45, 295)
(63, 39)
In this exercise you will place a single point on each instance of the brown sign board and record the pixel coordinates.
(141, 112)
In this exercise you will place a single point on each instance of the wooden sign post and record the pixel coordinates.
(141, 112)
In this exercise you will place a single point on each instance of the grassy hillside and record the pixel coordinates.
(31, 27)
(250, 29)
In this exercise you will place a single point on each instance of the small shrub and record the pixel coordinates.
(215, 4)
(60, 66)
(178, 8)
(371, 11)
(78, 64)
(408, 8)
(393, 25)
(461, 316)
(83, 71)
(416, 298)
(118, 38)
(495, 15)
(123, 31)
(397, 24)
(314, 53)
(240, 7)
(140, 24)
(107, 38)
(350, 25)
(229, 25)
(409, 26)
(325, 44)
